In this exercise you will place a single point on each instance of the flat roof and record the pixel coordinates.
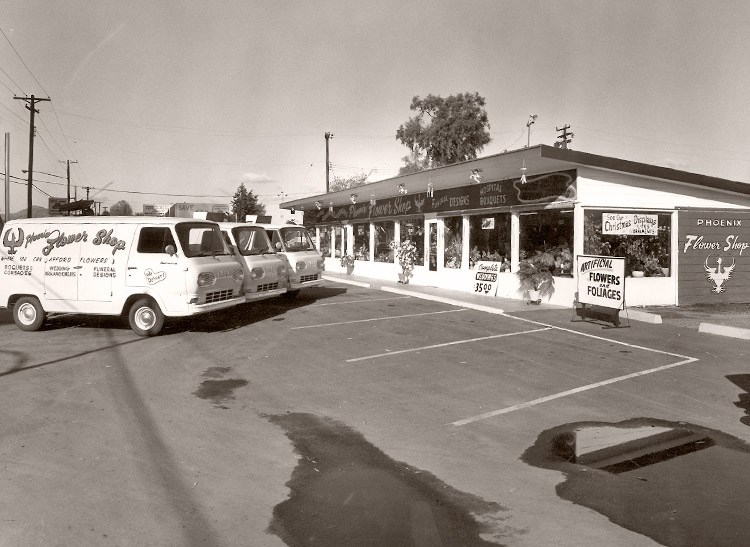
(537, 159)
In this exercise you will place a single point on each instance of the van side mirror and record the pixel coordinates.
(170, 250)
(278, 245)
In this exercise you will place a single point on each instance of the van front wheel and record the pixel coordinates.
(145, 317)
(28, 313)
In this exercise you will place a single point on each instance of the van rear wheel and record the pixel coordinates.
(145, 317)
(28, 313)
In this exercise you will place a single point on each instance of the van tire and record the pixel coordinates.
(291, 295)
(28, 313)
(145, 317)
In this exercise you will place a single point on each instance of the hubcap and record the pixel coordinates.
(145, 318)
(27, 314)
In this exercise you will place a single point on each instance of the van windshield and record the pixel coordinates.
(251, 240)
(201, 239)
(295, 238)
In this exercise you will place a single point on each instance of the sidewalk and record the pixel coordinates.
(732, 320)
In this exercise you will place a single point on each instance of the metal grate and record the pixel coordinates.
(306, 278)
(218, 296)
(268, 287)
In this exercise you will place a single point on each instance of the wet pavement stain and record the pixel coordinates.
(218, 392)
(680, 484)
(346, 492)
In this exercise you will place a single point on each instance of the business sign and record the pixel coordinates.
(54, 206)
(155, 210)
(601, 281)
(713, 256)
(485, 278)
(541, 189)
(629, 224)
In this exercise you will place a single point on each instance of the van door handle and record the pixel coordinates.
(132, 267)
(77, 267)
(167, 262)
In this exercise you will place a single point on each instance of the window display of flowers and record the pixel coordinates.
(406, 255)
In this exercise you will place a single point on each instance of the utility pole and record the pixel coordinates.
(7, 176)
(532, 119)
(564, 138)
(328, 136)
(31, 107)
(69, 162)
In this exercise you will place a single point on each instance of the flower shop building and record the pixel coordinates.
(673, 228)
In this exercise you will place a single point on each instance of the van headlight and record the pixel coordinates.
(281, 270)
(301, 265)
(238, 275)
(206, 279)
(256, 273)
(321, 263)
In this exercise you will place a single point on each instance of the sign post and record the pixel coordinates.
(601, 287)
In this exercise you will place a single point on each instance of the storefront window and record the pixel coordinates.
(413, 230)
(340, 241)
(361, 241)
(489, 239)
(385, 232)
(617, 233)
(325, 241)
(453, 242)
(551, 232)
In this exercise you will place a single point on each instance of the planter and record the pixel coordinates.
(665, 271)
(349, 269)
(535, 297)
(403, 278)
(637, 273)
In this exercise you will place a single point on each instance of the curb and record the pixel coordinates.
(724, 330)
(643, 316)
(346, 281)
(450, 301)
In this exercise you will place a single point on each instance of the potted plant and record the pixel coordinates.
(347, 261)
(406, 255)
(535, 276)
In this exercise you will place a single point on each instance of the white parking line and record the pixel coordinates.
(569, 392)
(685, 360)
(358, 301)
(411, 350)
(374, 319)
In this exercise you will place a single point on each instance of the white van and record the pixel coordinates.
(265, 271)
(305, 264)
(147, 267)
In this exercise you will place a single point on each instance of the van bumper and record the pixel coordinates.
(263, 295)
(297, 285)
(195, 309)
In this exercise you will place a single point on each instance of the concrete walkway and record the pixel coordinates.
(729, 320)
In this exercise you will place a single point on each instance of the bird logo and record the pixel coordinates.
(718, 275)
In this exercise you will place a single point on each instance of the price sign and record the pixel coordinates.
(485, 278)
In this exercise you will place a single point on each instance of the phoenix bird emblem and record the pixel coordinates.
(719, 274)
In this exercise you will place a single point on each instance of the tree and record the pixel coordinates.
(444, 131)
(121, 208)
(245, 203)
(339, 183)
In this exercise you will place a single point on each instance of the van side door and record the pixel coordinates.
(151, 267)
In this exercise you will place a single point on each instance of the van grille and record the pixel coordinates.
(307, 278)
(218, 296)
(268, 287)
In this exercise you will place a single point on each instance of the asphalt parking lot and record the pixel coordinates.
(218, 431)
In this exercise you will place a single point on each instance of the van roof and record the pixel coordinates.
(231, 225)
(81, 219)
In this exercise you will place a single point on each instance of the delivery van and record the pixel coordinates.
(304, 263)
(265, 271)
(146, 267)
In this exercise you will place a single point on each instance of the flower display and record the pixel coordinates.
(406, 255)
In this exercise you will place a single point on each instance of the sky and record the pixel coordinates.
(160, 101)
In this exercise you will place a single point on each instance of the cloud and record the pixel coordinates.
(256, 178)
